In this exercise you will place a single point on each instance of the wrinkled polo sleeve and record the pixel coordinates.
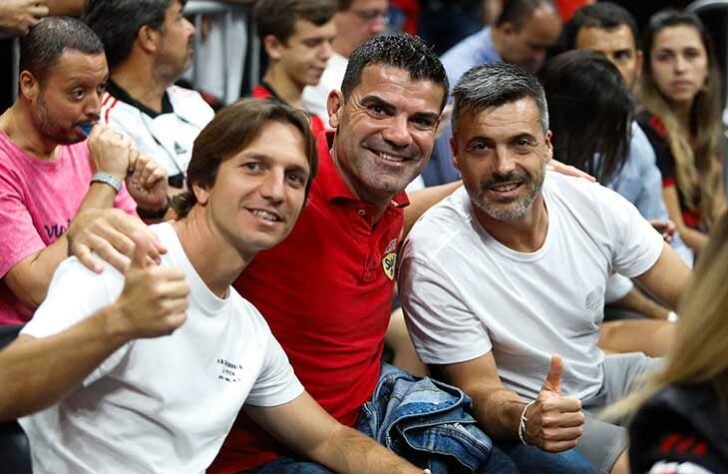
(636, 244)
(443, 329)
(75, 293)
(276, 383)
(18, 236)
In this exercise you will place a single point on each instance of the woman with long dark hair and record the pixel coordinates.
(680, 90)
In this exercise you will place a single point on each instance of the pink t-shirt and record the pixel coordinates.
(38, 200)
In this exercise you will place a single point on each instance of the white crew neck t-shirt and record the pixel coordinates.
(466, 294)
(161, 405)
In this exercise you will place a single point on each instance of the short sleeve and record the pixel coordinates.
(443, 329)
(18, 236)
(276, 384)
(75, 293)
(636, 244)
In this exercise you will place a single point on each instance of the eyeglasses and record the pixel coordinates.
(369, 16)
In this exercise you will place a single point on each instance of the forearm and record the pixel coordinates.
(422, 200)
(694, 239)
(35, 373)
(498, 411)
(66, 7)
(348, 451)
(636, 301)
(30, 279)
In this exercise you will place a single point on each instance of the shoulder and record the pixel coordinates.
(446, 224)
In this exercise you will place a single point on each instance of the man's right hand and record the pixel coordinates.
(17, 16)
(110, 151)
(106, 234)
(154, 300)
(555, 423)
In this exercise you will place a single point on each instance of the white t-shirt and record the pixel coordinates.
(466, 294)
(161, 405)
(168, 137)
(315, 97)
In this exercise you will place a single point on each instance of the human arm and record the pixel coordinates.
(66, 7)
(554, 422)
(16, 16)
(693, 238)
(667, 278)
(305, 427)
(28, 278)
(635, 300)
(37, 372)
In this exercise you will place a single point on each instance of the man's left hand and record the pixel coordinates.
(147, 182)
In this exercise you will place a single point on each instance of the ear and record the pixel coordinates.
(508, 28)
(273, 47)
(639, 58)
(29, 85)
(454, 151)
(148, 39)
(549, 147)
(335, 107)
(201, 194)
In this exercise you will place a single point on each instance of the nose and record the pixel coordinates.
(273, 186)
(92, 105)
(397, 132)
(680, 64)
(378, 25)
(503, 162)
(326, 51)
(190, 27)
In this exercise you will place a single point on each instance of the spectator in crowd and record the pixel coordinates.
(149, 45)
(356, 22)
(680, 90)
(331, 313)
(174, 398)
(523, 32)
(49, 173)
(297, 37)
(681, 423)
(510, 271)
(590, 116)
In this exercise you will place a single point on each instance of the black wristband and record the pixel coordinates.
(158, 214)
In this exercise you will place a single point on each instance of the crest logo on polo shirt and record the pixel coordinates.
(389, 262)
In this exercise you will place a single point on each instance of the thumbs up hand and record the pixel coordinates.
(154, 299)
(554, 423)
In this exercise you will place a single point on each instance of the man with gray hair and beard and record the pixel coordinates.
(503, 282)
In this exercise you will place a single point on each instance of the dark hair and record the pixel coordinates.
(117, 23)
(278, 17)
(45, 42)
(493, 85)
(590, 110)
(402, 51)
(602, 15)
(233, 129)
(517, 12)
(344, 5)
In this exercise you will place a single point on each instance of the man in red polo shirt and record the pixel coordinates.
(297, 37)
(326, 290)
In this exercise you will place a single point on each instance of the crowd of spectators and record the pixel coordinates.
(437, 237)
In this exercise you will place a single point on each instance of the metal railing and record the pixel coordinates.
(196, 9)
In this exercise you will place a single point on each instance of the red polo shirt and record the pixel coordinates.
(264, 91)
(326, 293)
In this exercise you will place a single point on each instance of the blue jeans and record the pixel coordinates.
(510, 457)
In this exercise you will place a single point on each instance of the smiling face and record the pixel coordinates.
(385, 131)
(679, 63)
(501, 153)
(68, 96)
(258, 193)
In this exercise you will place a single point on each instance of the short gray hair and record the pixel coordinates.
(493, 85)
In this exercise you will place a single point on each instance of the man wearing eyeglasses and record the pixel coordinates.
(356, 22)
